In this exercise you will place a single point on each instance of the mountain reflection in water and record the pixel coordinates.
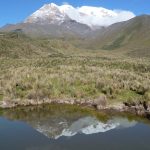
(58, 127)
(55, 123)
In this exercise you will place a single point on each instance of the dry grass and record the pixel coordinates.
(75, 77)
(43, 68)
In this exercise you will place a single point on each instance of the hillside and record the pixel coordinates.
(18, 45)
(68, 29)
(131, 36)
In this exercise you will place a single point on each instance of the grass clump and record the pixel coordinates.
(128, 96)
(147, 95)
(1, 97)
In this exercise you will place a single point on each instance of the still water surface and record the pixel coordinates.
(65, 128)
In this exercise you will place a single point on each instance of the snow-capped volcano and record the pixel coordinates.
(91, 16)
(48, 14)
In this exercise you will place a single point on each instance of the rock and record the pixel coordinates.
(148, 105)
(118, 106)
(8, 104)
(72, 101)
(145, 105)
(140, 110)
(127, 104)
(100, 103)
(77, 101)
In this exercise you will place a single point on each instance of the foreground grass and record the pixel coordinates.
(75, 77)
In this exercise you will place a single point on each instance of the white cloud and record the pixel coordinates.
(96, 16)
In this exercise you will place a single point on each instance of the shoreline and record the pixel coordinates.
(140, 108)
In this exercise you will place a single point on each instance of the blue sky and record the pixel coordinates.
(14, 11)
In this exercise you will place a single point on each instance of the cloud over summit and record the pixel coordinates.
(89, 15)
(96, 16)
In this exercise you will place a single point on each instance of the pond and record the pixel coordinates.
(58, 127)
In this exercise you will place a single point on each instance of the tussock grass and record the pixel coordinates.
(74, 77)
(51, 72)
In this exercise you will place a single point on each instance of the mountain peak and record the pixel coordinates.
(53, 5)
(91, 16)
(49, 6)
(48, 14)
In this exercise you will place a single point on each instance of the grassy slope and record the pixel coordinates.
(131, 37)
(54, 69)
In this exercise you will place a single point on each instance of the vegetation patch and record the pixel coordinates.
(1, 97)
(115, 44)
(76, 74)
(128, 96)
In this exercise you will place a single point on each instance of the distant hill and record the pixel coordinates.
(68, 29)
(18, 45)
(132, 36)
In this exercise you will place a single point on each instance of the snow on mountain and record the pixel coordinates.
(48, 14)
(86, 125)
(91, 16)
